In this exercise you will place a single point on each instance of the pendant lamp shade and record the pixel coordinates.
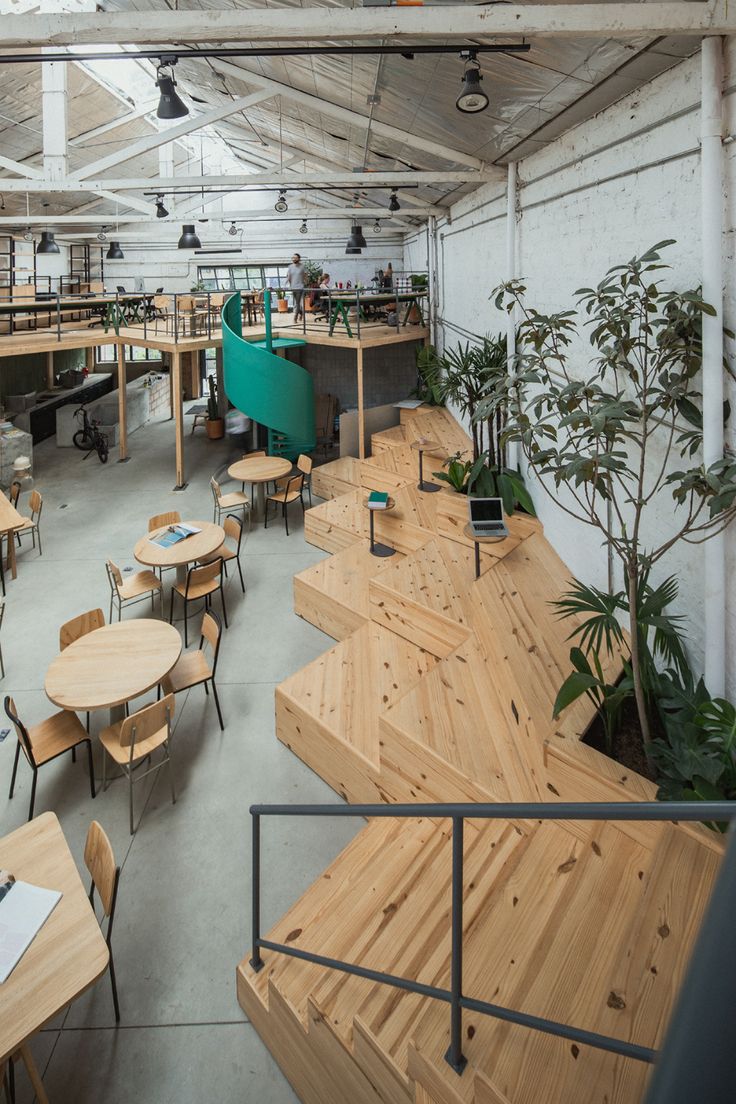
(188, 239)
(353, 249)
(114, 253)
(161, 211)
(47, 243)
(356, 238)
(170, 105)
(472, 98)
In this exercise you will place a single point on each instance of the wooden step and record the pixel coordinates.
(336, 478)
(338, 523)
(328, 713)
(333, 594)
(387, 439)
(436, 423)
(451, 517)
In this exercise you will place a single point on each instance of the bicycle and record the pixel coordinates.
(89, 438)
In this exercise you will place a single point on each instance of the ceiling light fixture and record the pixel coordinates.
(161, 211)
(102, 236)
(115, 253)
(188, 239)
(28, 234)
(303, 227)
(170, 105)
(47, 243)
(472, 98)
(2, 202)
(232, 230)
(376, 227)
(356, 238)
(281, 205)
(352, 249)
(393, 203)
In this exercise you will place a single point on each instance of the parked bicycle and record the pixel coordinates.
(89, 438)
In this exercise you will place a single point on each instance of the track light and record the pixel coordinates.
(303, 227)
(170, 106)
(161, 211)
(376, 227)
(47, 243)
(281, 205)
(472, 98)
(188, 239)
(232, 231)
(102, 236)
(2, 202)
(28, 234)
(114, 253)
(393, 203)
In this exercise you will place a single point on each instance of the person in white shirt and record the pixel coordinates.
(295, 280)
(321, 304)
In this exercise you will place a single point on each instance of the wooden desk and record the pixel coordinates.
(259, 470)
(113, 310)
(69, 953)
(107, 667)
(10, 520)
(183, 552)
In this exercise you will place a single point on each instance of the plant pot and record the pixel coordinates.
(215, 428)
(282, 306)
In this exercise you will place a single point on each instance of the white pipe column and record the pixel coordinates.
(54, 123)
(511, 189)
(711, 166)
(433, 281)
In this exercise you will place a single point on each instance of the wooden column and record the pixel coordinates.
(220, 372)
(50, 368)
(90, 359)
(361, 424)
(178, 417)
(122, 404)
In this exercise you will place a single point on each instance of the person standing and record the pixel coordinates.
(295, 280)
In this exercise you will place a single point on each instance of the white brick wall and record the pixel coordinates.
(601, 193)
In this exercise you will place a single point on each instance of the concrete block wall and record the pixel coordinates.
(389, 372)
(601, 193)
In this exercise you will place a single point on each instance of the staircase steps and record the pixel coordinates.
(387, 439)
(336, 478)
(338, 523)
(328, 712)
(436, 423)
(333, 594)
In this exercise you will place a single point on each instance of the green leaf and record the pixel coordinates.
(574, 686)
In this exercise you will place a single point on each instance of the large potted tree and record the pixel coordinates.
(214, 424)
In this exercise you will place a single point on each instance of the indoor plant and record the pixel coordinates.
(281, 305)
(215, 425)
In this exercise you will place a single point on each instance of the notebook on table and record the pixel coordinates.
(377, 500)
(24, 909)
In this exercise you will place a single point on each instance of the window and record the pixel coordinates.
(108, 354)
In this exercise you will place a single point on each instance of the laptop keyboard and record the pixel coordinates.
(483, 525)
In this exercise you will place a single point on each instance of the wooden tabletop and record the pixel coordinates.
(423, 444)
(9, 516)
(69, 302)
(184, 551)
(69, 953)
(259, 469)
(113, 664)
(468, 532)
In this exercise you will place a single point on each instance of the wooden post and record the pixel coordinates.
(90, 359)
(361, 424)
(178, 417)
(220, 372)
(50, 369)
(122, 404)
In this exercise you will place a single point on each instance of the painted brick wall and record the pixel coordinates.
(601, 193)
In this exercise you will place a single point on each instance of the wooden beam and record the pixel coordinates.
(122, 120)
(25, 171)
(337, 177)
(50, 369)
(90, 359)
(460, 23)
(178, 413)
(122, 405)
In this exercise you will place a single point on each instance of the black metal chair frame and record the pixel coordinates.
(299, 478)
(108, 937)
(207, 597)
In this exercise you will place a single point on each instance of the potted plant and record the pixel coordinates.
(281, 305)
(312, 276)
(199, 286)
(215, 425)
(418, 285)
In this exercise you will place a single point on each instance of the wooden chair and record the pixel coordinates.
(193, 668)
(234, 500)
(79, 626)
(100, 862)
(201, 582)
(233, 526)
(157, 310)
(32, 524)
(172, 517)
(135, 738)
(48, 740)
(14, 492)
(305, 464)
(287, 492)
(135, 589)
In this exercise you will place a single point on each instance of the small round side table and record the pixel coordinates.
(422, 445)
(478, 541)
(376, 548)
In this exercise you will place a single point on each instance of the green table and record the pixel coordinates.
(340, 301)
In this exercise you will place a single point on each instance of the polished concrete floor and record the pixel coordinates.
(182, 923)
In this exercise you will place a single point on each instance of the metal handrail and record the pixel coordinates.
(674, 811)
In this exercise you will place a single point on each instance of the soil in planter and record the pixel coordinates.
(628, 746)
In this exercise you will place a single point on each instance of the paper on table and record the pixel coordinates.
(24, 910)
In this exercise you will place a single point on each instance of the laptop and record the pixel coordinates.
(486, 517)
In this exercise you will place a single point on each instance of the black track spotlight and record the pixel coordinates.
(170, 106)
(281, 205)
(472, 98)
(303, 227)
(393, 203)
(102, 235)
(376, 227)
(232, 230)
(28, 234)
(115, 253)
(47, 243)
(188, 239)
(161, 211)
(356, 239)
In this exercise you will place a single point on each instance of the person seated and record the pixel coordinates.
(320, 302)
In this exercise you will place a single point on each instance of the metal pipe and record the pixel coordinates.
(454, 1056)
(256, 961)
(268, 51)
(711, 182)
(664, 811)
(512, 449)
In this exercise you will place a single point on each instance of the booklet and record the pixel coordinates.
(173, 534)
(377, 500)
(24, 909)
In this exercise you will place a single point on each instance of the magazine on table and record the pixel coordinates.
(24, 909)
(172, 534)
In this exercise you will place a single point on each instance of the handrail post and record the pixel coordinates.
(454, 1056)
(256, 961)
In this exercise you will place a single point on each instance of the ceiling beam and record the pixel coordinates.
(356, 214)
(460, 23)
(105, 128)
(26, 171)
(161, 137)
(338, 178)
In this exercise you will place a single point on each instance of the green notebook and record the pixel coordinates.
(377, 500)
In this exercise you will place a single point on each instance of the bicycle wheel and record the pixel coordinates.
(102, 449)
(83, 440)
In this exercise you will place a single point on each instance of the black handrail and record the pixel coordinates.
(673, 811)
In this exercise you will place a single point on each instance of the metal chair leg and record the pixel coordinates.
(33, 794)
(240, 572)
(15, 769)
(217, 704)
(91, 768)
(114, 986)
(130, 799)
(222, 598)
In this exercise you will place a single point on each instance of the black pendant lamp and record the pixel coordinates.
(170, 106)
(188, 239)
(161, 211)
(356, 239)
(393, 203)
(115, 253)
(472, 98)
(47, 243)
(352, 250)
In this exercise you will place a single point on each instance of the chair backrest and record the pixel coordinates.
(14, 492)
(80, 626)
(159, 290)
(212, 633)
(217, 299)
(100, 861)
(147, 722)
(304, 464)
(204, 574)
(159, 520)
(256, 452)
(114, 575)
(295, 483)
(161, 302)
(185, 302)
(120, 287)
(215, 488)
(36, 504)
(233, 526)
(20, 730)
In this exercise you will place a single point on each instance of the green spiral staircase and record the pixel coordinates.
(268, 388)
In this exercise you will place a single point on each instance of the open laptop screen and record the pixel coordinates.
(485, 509)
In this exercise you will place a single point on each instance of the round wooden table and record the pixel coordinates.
(422, 445)
(184, 551)
(106, 668)
(259, 470)
(478, 541)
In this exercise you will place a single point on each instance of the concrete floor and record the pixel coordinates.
(182, 922)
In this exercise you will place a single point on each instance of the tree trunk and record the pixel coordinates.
(641, 704)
